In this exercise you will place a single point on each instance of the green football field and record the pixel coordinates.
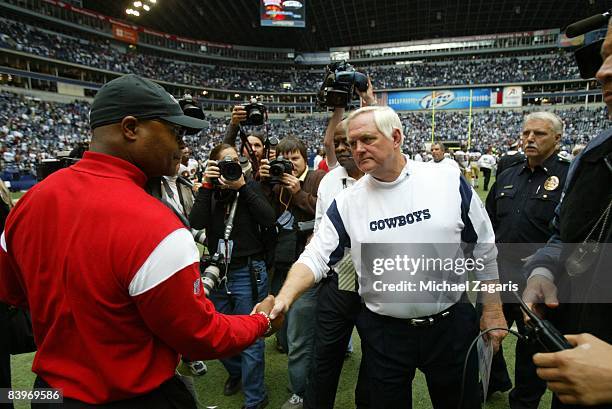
(210, 386)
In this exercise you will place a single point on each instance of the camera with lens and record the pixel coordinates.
(212, 272)
(256, 113)
(270, 144)
(190, 107)
(338, 88)
(278, 167)
(229, 169)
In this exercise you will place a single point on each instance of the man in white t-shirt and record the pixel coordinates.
(396, 207)
(487, 164)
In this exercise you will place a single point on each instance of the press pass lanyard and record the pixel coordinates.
(177, 205)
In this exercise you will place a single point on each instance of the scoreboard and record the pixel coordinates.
(279, 13)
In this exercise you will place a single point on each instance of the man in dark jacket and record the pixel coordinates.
(295, 198)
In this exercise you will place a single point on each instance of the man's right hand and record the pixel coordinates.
(540, 290)
(264, 169)
(239, 115)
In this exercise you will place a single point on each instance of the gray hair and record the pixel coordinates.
(385, 118)
(553, 119)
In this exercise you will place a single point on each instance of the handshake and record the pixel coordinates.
(276, 316)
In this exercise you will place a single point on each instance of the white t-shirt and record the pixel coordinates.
(487, 161)
(317, 161)
(448, 162)
(334, 182)
(410, 210)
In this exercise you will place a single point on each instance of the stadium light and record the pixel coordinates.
(152, 1)
(137, 4)
(146, 7)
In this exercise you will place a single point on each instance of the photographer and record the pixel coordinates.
(294, 193)
(338, 302)
(255, 139)
(246, 280)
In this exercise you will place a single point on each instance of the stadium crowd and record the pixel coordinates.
(31, 129)
(101, 53)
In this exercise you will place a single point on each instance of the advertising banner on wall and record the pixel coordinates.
(125, 34)
(439, 99)
(503, 97)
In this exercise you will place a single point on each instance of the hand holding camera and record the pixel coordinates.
(239, 115)
(226, 174)
(212, 172)
(291, 183)
(264, 169)
(367, 96)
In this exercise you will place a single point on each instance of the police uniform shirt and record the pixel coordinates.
(522, 202)
(411, 209)
(507, 160)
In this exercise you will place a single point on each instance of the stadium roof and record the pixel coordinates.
(334, 23)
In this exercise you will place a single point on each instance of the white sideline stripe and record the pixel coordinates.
(3, 242)
(175, 252)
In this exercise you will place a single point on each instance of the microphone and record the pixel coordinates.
(588, 24)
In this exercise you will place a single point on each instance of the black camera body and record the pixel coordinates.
(212, 271)
(256, 113)
(190, 107)
(338, 88)
(270, 144)
(229, 169)
(278, 167)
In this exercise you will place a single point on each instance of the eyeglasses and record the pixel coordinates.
(176, 130)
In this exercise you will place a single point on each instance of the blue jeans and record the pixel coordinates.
(249, 365)
(300, 338)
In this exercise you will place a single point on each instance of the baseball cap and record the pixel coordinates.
(131, 95)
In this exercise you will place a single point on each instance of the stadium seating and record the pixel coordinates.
(99, 53)
(31, 129)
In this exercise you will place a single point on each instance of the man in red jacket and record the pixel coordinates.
(109, 273)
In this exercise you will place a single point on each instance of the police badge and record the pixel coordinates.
(551, 183)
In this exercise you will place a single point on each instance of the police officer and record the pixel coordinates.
(521, 204)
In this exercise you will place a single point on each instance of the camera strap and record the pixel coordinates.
(177, 205)
(247, 146)
(226, 245)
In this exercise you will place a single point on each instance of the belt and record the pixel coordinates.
(430, 320)
(240, 262)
